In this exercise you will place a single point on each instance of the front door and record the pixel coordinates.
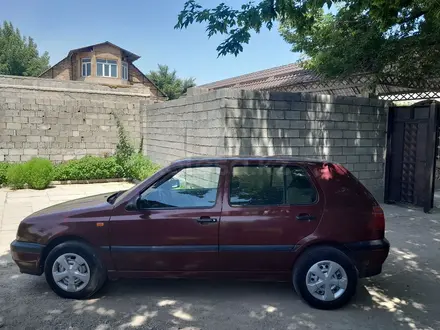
(174, 226)
(267, 210)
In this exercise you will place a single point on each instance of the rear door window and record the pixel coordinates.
(270, 185)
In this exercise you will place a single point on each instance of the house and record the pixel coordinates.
(103, 63)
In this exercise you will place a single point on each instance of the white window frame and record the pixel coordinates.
(104, 63)
(84, 64)
(125, 70)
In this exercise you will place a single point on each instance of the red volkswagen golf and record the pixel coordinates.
(309, 222)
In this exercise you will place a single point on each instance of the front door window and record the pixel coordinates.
(193, 187)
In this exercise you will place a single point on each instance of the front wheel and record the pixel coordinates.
(73, 270)
(325, 277)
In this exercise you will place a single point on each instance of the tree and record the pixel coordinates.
(169, 83)
(337, 38)
(19, 55)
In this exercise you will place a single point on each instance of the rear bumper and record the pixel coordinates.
(369, 256)
(27, 256)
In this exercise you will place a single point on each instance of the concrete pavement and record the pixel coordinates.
(405, 296)
(15, 205)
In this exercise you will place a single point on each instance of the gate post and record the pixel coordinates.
(388, 154)
(431, 152)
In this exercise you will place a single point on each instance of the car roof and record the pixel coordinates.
(250, 158)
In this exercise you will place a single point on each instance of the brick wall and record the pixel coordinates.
(105, 52)
(61, 120)
(347, 130)
(61, 70)
(138, 81)
(70, 69)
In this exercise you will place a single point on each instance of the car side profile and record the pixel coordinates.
(269, 218)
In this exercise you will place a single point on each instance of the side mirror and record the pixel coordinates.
(138, 203)
(134, 204)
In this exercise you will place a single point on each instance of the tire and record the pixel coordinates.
(329, 293)
(89, 277)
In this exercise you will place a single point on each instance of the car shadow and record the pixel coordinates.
(200, 304)
(197, 288)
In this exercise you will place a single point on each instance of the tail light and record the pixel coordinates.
(378, 224)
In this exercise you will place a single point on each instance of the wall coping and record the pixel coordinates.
(70, 90)
(198, 95)
(35, 83)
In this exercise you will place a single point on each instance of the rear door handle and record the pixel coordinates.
(205, 220)
(305, 217)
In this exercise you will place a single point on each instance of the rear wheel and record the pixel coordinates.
(325, 277)
(74, 270)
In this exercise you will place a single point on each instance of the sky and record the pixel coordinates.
(145, 28)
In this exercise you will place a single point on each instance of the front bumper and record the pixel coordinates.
(369, 256)
(27, 256)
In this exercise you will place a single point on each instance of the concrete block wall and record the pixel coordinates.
(205, 177)
(186, 127)
(347, 130)
(62, 120)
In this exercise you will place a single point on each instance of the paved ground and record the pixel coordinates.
(405, 296)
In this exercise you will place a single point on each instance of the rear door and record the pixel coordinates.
(268, 208)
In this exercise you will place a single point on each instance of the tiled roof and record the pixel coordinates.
(289, 74)
(293, 78)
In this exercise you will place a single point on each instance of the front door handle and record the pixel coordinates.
(305, 217)
(204, 220)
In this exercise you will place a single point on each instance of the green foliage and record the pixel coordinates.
(38, 173)
(124, 149)
(89, 168)
(19, 55)
(382, 37)
(16, 176)
(187, 83)
(141, 167)
(169, 83)
(3, 172)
